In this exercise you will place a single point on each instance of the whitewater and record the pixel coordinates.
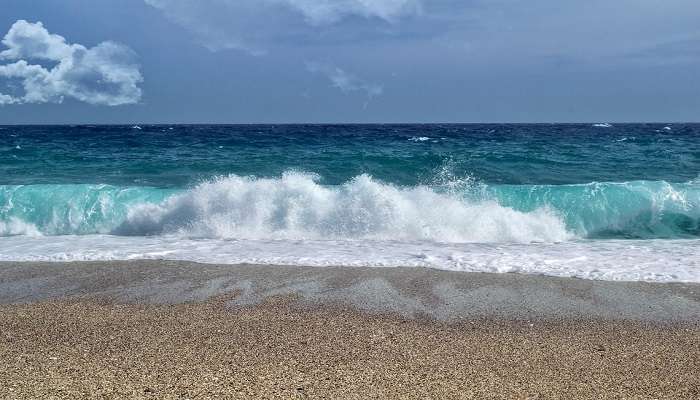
(294, 220)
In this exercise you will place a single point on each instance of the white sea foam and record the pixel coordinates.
(297, 207)
(617, 260)
(15, 227)
(419, 139)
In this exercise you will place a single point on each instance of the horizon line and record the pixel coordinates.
(348, 123)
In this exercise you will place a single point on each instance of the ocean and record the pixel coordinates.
(593, 201)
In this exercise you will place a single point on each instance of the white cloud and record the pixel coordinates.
(7, 99)
(345, 81)
(255, 25)
(104, 75)
(320, 12)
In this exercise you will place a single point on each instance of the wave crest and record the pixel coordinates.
(295, 206)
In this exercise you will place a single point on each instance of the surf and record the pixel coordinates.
(295, 206)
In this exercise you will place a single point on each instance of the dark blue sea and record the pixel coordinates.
(597, 201)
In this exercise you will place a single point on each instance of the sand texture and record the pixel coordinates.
(159, 331)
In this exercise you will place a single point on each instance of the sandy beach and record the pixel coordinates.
(147, 329)
(349, 199)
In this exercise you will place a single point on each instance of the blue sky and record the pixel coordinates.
(271, 61)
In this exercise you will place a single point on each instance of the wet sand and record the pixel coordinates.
(181, 330)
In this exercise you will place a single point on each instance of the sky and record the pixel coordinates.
(354, 61)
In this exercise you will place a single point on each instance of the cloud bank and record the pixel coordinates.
(102, 75)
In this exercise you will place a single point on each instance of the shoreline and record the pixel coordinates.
(156, 329)
(408, 292)
(648, 260)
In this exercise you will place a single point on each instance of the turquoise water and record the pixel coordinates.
(638, 209)
(634, 181)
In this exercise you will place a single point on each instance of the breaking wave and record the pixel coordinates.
(296, 206)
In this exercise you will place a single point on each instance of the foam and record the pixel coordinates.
(296, 207)
(15, 227)
(613, 260)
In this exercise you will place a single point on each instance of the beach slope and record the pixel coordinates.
(157, 329)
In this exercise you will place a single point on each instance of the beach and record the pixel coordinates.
(159, 329)
(349, 199)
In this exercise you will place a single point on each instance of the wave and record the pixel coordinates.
(630, 210)
(296, 206)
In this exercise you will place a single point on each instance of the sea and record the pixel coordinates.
(598, 201)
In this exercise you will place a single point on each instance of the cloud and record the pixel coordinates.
(6, 99)
(331, 11)
(103, 75)
(345, 81)
(255, 25)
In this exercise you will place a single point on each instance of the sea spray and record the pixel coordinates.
(296, 206)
